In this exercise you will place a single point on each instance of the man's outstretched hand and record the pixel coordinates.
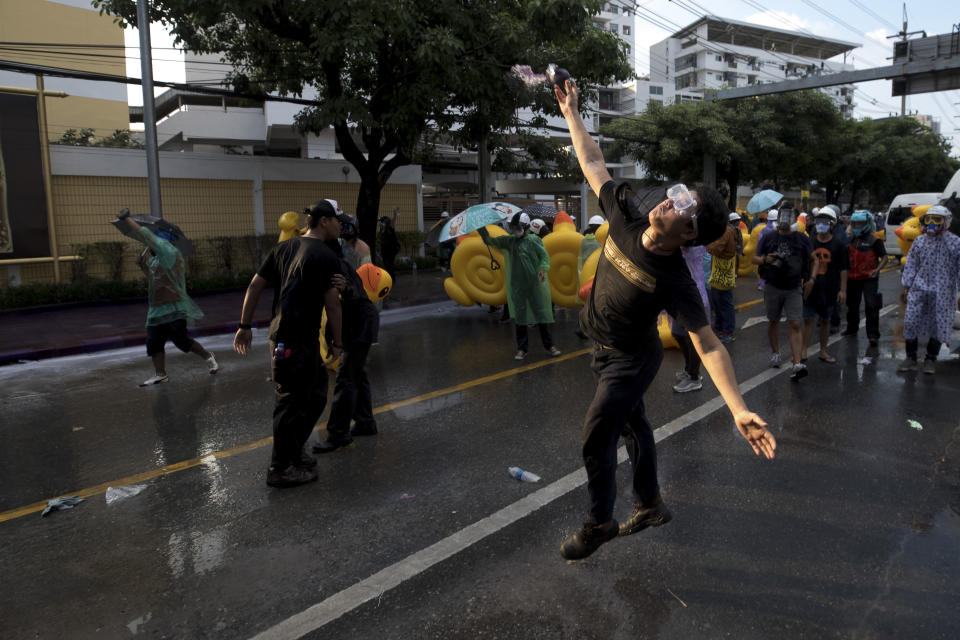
(754, 431)
(568, 100)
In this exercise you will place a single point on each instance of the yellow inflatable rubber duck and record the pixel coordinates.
(563, 247)
(288, 224)
(911, 228)
(472, 277)
(749, 248)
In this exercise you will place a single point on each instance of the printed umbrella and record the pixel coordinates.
(155, 224)
(472, 218)
(763, 200)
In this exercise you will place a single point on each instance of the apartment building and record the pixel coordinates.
(718, 53)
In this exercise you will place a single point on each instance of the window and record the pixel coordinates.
(719, 76)
(628, 50)
(626, 30)
(684, 62)
(781, 67)
(656, 90)
(627, 11)
(614, 27)
(718, 58)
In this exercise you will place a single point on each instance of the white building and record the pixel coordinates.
(717, 53)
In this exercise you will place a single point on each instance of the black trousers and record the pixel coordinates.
(866, 289)
(933, 348)
(300, 398)
(351, 394)
(523, 339)
(617, 410)
(691, 359)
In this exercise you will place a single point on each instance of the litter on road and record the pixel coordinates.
(66, 502)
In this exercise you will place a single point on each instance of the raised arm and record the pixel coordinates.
(588, 151)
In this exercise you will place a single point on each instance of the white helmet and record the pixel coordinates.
(596, 220)
(831, 211)
(445, 214)
(536, 225)
(772, 215)
(815, 211)
(734, 216)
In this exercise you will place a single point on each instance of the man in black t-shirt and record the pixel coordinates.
(641, 273)
(301, 271)
(831, 261)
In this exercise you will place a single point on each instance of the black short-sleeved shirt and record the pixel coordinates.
(300, 271)
(834, 257)
(361, 320)
(633, 285)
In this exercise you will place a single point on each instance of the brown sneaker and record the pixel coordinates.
(292, 476)
(643, 517)
(587, 540)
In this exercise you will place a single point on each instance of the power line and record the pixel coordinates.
(870, 12)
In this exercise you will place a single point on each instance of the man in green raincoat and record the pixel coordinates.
(528, 292)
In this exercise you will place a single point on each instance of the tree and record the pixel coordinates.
(780, 138)
(394, 78)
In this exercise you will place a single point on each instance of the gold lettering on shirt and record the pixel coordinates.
(627, 268)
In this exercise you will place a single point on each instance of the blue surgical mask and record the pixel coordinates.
(823, 227)
(933, 229)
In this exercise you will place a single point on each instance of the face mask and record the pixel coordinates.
(823, 227)
(518, 233)
(933, 229)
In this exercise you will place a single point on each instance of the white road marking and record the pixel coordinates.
(375, 586)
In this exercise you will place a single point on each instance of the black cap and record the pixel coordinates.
(321, 209)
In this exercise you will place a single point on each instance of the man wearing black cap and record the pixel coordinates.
(640, 273)
(301, 271)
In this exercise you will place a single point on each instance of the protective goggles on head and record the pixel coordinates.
(684, 203)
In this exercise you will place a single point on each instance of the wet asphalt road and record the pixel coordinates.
(853, 531)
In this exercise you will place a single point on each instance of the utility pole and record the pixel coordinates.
(149, 113)
(903, 98)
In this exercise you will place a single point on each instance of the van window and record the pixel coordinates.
(897, 216)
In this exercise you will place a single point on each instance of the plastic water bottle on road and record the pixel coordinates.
(523, 476)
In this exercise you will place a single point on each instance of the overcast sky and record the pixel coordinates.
(867, 22)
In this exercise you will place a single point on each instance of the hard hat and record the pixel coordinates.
(536, 224)
(445, 214)
(734, 216)
(520, 220)
(829, 211)
(596, 220)
(772, 215)
(815, 211)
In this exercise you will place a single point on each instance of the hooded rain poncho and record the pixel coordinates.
(528, 297)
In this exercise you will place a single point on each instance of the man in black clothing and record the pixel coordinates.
(389, 245)
(640, 273)
(301, 272)
(351, 392)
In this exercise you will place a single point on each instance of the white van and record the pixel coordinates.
(899, 211)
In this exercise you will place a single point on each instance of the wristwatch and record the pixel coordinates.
(244, 326)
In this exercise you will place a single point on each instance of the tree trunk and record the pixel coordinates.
(732, 176)
(368, 208)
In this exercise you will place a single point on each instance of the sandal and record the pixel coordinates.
(828, 359)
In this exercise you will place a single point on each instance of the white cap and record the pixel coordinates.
(734, 216)
(536, 225)
(597, 220)
(815, 211)
(445, 214)
(772, 215)
(336, 207)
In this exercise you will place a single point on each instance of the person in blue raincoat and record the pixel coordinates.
(528, 292)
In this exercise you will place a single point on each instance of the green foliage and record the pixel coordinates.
(788, 140)
(85, 137)
(109, 253)
(395, 78)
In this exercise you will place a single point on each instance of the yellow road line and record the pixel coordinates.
(250, 446)
(747, 305)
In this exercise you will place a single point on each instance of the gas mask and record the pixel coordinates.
(822, 227)
(784, 220)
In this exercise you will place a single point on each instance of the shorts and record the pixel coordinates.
(811, 311)
(157, 336)
(783, 301)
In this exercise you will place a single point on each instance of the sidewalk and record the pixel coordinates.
(50, 332)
